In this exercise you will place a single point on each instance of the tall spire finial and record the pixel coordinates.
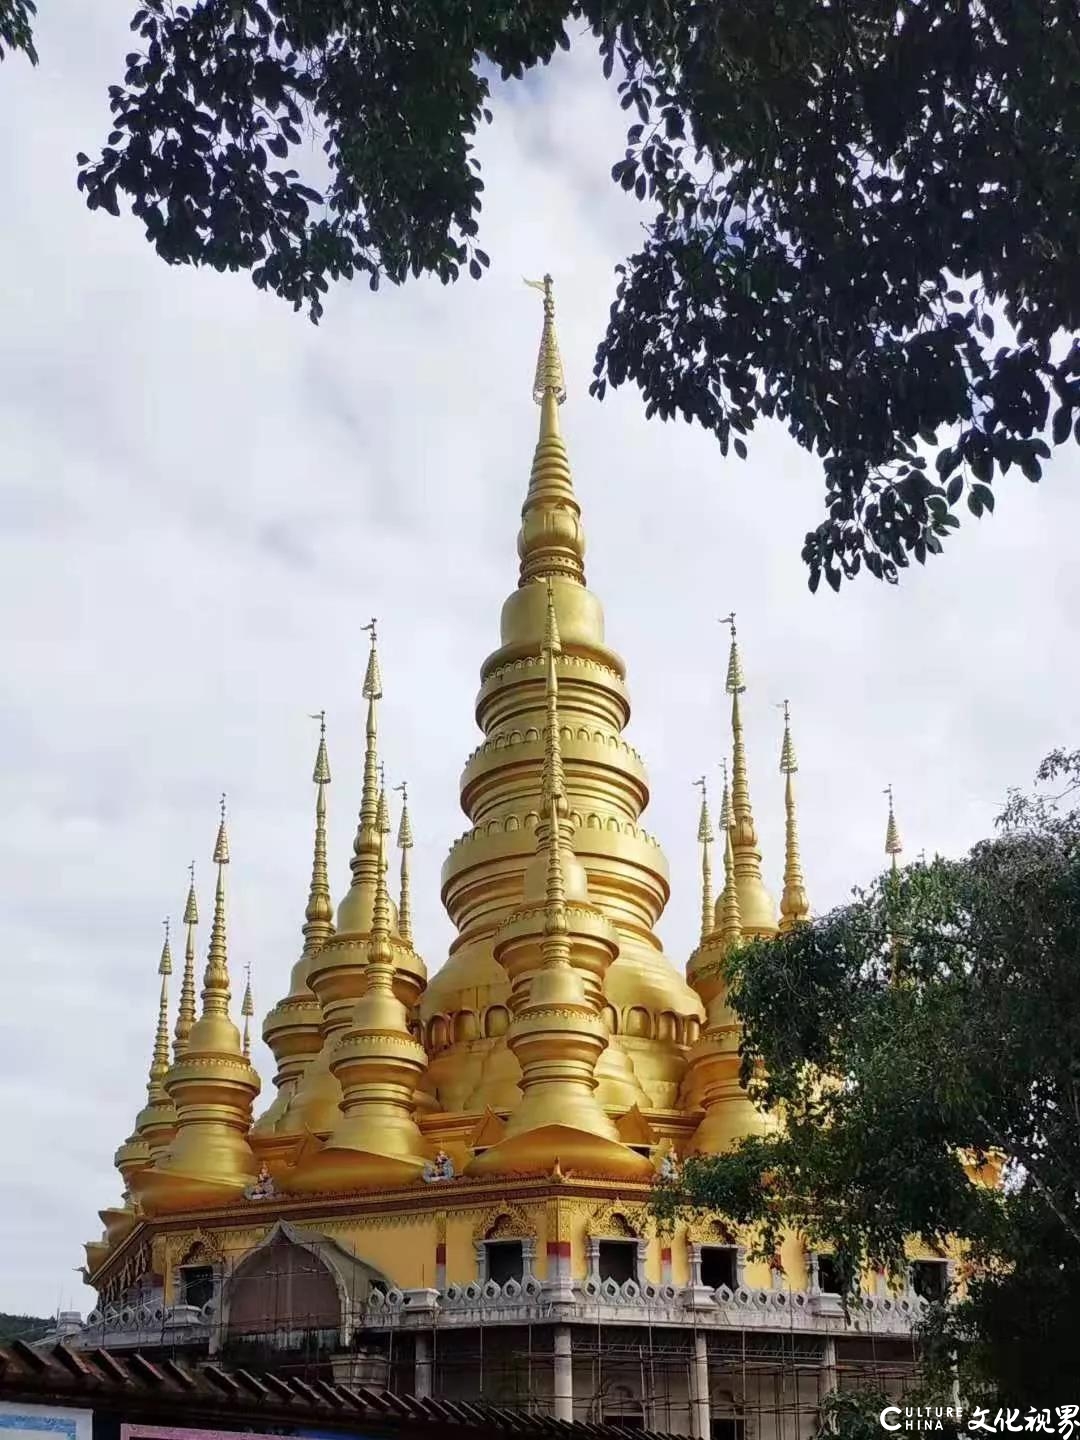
(366, 844)
(247, 1010)
(549, 376)
(185, 1017)
(380, 965)
(893, 844)
(215, 995)
(159, 1064)
(730, 914)
(405, 844)
(556, 946)
(551, 541)
(705, 840)
(794, 905)
(384, 806)
(756, 908)
(727, 819)
(553, 784)
(319, 915)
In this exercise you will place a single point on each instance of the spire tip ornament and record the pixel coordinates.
(893, 844)
(221, 845)
(549, 378)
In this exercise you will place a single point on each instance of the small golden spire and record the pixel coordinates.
(159, 1065)
(755, 906)
(705, 840)
(551, 541)
(380, 969)
(247, 1010)
(185, 1017)
(319, 915)
(727, 819)
(405, 844)
(794, 905)
(215, 995)
(384, 807)
(366, 846)
(893, 845)
(730, 916)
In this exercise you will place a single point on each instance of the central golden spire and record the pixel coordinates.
(755, 905)
(556, 1033)
(551, 541)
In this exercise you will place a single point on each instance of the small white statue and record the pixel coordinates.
(441, 1168)
(263, 1188)
(669, 1167)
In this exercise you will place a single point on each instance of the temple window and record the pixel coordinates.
(727, 1427)
(505, 1260)
(828, 1275)
(623, 1408)
(618, 1260)
(624, 1420)
(720, 1266)
(196, 1285)
(930, 1279)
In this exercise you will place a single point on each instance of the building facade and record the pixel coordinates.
(449, 1192)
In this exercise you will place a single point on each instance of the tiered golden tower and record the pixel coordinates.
(556, 1039)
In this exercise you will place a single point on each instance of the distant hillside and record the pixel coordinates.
(22, 1327)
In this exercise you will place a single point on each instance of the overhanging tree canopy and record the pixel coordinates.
(847, 203)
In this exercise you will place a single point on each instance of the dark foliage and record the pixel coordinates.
(929, 1027)
(23, 1327)
(847, 201)
(16, 18)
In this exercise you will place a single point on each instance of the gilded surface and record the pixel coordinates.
(556, 1058)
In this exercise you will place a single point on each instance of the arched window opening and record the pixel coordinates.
(283, 1297)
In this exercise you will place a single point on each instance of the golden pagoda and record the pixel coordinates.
(454, 1171)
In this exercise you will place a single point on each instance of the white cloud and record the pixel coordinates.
(204, 499)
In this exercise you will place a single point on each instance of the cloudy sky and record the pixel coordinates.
(204, 498)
